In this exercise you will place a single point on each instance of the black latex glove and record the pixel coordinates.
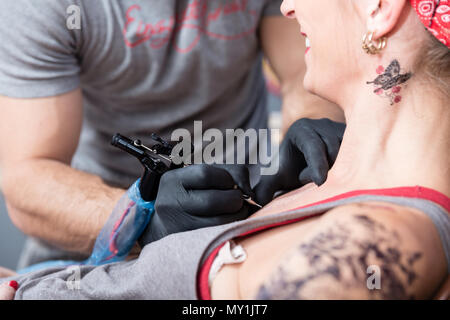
(307, 153)
(199, 196)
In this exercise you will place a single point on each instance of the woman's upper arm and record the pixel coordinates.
(362, 251)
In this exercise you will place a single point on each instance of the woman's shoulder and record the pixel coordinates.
(362, 250)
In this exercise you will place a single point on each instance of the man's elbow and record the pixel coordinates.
(13, 193)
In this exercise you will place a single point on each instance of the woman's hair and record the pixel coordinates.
(434, 63)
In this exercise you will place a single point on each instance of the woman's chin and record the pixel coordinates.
(316, 86)
(308, 83)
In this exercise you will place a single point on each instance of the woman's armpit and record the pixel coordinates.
(360, 251)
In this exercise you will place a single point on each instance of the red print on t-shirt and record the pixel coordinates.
(197, 16)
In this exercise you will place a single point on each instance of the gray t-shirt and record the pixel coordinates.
(143, 66)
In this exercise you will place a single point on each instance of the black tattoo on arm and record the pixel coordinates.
(337, 256)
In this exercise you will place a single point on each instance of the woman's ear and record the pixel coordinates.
(383, 16)
(287, 9)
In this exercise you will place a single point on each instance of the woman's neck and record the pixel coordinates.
(404, 144)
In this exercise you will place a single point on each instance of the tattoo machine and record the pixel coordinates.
(156, 160)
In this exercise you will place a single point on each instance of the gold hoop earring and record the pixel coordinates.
(373, 47)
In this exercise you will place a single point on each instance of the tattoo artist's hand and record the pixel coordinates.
(306, 154)
(198, 196)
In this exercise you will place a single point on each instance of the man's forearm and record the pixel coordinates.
(52, 201)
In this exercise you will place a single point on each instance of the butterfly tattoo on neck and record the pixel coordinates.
(389, 81)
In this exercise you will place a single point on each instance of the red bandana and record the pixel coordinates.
(435, 15)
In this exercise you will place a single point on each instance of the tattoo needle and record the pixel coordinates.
(249, 199)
